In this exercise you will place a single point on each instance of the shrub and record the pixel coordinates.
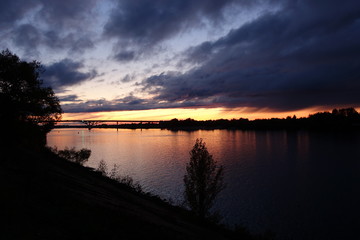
(72, 155)
(203, 180)
(102, 167)
(115, 175)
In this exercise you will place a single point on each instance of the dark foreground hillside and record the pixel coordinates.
(45, 197)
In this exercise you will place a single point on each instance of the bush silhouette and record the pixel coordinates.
(102, 168)
(115, 175)
(80, 157)
(203, 180)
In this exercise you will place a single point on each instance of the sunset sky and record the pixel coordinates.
(203, 59)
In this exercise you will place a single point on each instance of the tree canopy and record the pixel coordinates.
(203, 180)
(23, 99)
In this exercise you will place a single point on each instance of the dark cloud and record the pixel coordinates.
(73, 42)
(27, 36)
(54, 24)
(70, 98)
(81, 44)
(66, 73)
(306, 54)
(127, 103)
(13, 10)
(122, 104)
(127, 78)
(30, 38)
(125, 56)
(64, 14)
(142, 25)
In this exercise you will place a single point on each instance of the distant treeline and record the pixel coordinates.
(338, 119)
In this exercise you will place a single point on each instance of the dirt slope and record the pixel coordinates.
(44, 197)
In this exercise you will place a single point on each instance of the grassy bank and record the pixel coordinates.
(47, 197)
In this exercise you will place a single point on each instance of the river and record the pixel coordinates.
(299, 185)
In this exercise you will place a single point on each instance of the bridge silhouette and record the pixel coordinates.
(93, 123)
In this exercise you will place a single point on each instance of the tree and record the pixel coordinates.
(80, 157)
(203, 180)
(23, 99)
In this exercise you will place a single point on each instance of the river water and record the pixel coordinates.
(299, 185)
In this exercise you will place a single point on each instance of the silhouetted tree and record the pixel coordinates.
(77, 156)
(346, 112)
(203, 180)
(23, 99)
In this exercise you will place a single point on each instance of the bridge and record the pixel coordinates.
(92, 123)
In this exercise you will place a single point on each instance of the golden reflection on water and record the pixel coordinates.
(129, 147)
(157, 157)
(275, 179)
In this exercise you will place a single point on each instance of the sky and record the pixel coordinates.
(203, 59)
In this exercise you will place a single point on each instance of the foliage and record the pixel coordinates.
(23, 99)
(125, 180)
(80, 157)
(203, 180)
(102, 167)
(129, 181)
(114, 174)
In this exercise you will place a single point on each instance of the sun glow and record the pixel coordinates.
(197, 114)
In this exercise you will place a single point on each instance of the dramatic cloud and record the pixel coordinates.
(12, 10)
(31, 38)
(127, 103)
(54, 24)
(125, 56)
(142, 25)
(70, 98)
(281, 55)
(27, 36)
(63, 14)
(66, 73)
(305, 55)
(123, 104)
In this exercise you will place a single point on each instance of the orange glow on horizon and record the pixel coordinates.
(197, 114)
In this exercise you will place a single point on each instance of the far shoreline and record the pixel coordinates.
(339, 119)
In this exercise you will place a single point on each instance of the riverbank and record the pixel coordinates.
(339, 120)
(46, 197)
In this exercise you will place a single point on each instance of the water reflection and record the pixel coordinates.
(301, 185)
